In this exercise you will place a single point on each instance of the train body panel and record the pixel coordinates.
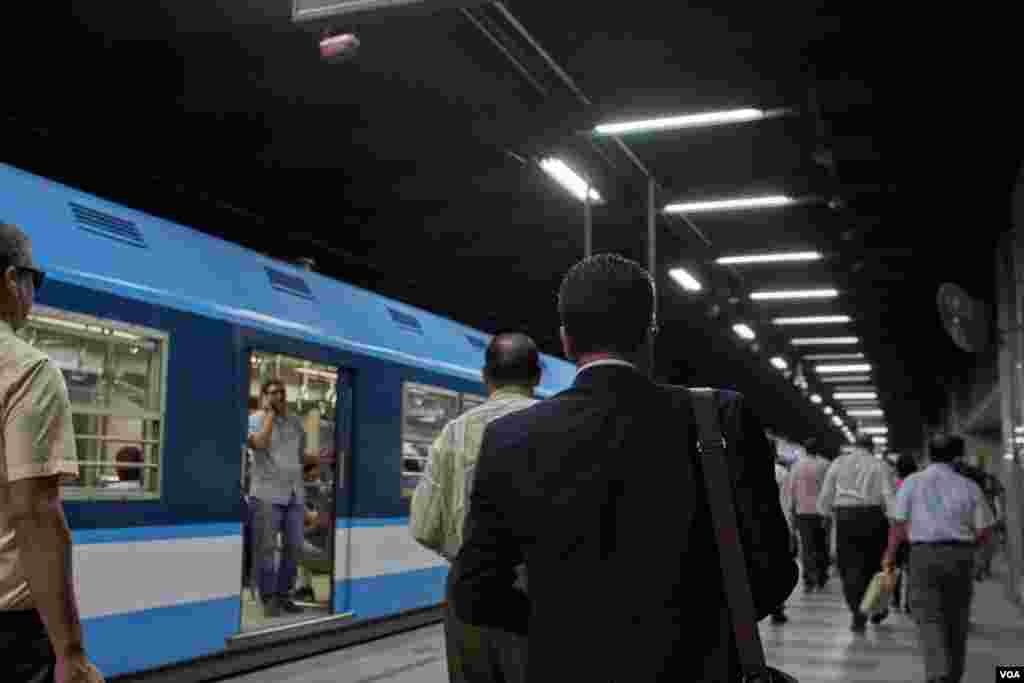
(159, 580)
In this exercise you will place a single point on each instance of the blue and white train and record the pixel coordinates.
(157, 327)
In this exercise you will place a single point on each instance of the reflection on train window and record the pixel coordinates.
(425, 412)
(115, 374)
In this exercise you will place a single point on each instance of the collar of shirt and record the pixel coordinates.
(511, 391)
(605, 361)
(5, 327)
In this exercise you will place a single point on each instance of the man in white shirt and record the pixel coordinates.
(945, 516)
(857, 492)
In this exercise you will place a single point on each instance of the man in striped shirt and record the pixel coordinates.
(441, 501)
(858, 492)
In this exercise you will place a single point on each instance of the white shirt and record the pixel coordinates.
(941, 505)
(857, 479)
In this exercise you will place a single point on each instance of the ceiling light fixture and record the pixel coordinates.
(874, 430)
(685, 280)
(842, 368)
(823, 341)
(834, 356)
(569, 179)
(848, 378)
(779, 363)
(874, 412)
(812, 320)
(828, 410)
(729, 204)
(795, 294)
(768, 258)
(743, 331)
(836, 421)
(816, 398)
(856, 396)
(713, 118)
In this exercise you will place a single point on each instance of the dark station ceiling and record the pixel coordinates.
(408, 169)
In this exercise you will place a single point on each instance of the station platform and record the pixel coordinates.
(815, 645)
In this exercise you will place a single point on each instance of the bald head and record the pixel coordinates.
(512, 358)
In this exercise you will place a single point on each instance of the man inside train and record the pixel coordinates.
(40, 629)
(278, 495)
(511, 372)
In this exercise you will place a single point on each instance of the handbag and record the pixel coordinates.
(879, 593)
(711, 449)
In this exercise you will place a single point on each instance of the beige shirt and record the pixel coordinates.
(441, 500)
(857, 479)
(37, 440)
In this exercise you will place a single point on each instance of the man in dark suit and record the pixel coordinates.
(599, 492)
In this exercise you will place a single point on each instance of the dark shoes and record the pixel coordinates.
(277, 606)
(859, 624)
(880, 617)
(305, 594)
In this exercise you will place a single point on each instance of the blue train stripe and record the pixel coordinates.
(186, 531)
(137, 641)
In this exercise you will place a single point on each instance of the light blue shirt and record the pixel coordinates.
(277, 471)
(941, 505)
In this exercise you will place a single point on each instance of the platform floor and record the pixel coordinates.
(816, 646)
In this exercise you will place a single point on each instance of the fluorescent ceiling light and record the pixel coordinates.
(855, 388)
(812, 320)
(828, 410)
(834, 356)
(568, 178)
(850, 438)
(713, 118)
(880, 439)
(874, 412)
(779, 363)
(743, 331)
(822, 341)
(815, 398)
(1018, 430)
(686, 281)
(831, 369)
(795, 294)
(856, 396)
(874, 430)
(768, 258)
(847, 378)
(836, 421)
(729, 204)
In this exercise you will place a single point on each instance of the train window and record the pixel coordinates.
(425, 412)
(115, 374)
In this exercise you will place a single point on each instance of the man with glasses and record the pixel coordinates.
(40, 630)
(278, 491)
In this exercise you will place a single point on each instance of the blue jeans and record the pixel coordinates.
(268, 520)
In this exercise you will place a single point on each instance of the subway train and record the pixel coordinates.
(164, 336)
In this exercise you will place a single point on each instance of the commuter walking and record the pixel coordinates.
(781, 477)
(857, 492)
(945, 517)
(278, 494)
(511, 372)
(40, 629)
(600, 486)
(802, 489)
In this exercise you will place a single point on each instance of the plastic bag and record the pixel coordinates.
(879, 593)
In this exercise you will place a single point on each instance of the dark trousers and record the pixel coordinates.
(861, 536)
(482, 655)
(268, 520)
(813, 549)
(26, 655)
(941, 587)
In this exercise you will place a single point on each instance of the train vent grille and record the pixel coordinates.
(107, 225)
(289, 284)
(405, 321)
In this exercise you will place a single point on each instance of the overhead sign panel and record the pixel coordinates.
(316, 10)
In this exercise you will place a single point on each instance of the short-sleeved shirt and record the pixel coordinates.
(37, 440)
(857, 479)
(277, 471)
(941, 505)
(804, 485)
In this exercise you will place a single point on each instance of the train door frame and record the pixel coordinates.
(339, 601)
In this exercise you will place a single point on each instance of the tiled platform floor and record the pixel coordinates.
(816, 646)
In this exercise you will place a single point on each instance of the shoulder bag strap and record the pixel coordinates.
(711, 446)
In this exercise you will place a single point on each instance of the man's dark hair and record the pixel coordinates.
(129, 454)
(606, 303)
(945, 448)
(14, 246)
(866, 442)
(905, 465)
(512, 358)
(812, 446)
(265, 387)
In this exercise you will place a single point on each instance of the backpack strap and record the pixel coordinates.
(711, 447)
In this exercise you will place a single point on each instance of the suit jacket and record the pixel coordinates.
(599, 491)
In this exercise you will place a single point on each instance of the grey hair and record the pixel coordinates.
(14, 245)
